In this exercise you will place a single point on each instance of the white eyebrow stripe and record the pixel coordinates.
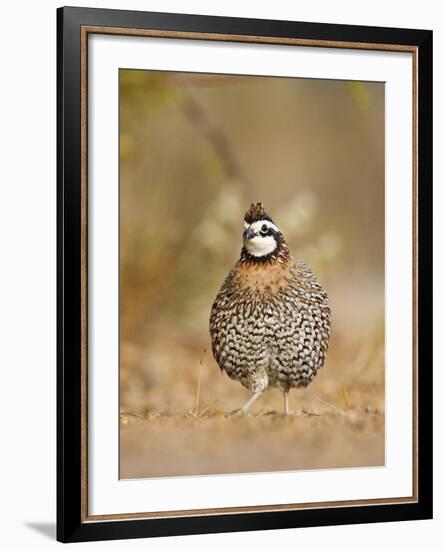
(256, 226)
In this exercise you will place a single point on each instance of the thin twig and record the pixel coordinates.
(207, 407)
(327, 403)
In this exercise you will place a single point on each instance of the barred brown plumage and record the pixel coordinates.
(270, 321)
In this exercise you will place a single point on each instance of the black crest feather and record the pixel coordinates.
(256, 212)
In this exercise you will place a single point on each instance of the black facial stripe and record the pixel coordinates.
(267, 232)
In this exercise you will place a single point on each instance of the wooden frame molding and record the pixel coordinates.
(75, 25)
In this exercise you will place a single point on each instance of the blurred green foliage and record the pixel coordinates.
(197, 149)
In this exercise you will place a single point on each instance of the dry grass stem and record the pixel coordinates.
(346, 395)
(199, 379)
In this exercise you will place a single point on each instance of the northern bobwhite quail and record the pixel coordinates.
(270, 322)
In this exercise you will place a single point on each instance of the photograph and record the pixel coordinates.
(251, 274)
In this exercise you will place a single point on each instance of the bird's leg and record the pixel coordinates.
(258, 383)
(287, 404)
(243, 411)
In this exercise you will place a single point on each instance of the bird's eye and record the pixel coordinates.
(264, 228)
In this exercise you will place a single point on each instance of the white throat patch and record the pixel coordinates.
(260, 246)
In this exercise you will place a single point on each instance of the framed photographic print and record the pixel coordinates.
(244, 274)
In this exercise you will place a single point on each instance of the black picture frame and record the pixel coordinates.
(71, 523)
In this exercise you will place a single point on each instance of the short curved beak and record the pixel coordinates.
(249, 234)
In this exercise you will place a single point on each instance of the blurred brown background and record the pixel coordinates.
(195, 151)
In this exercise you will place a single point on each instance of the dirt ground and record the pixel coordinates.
(160, 445)
(175, 421)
